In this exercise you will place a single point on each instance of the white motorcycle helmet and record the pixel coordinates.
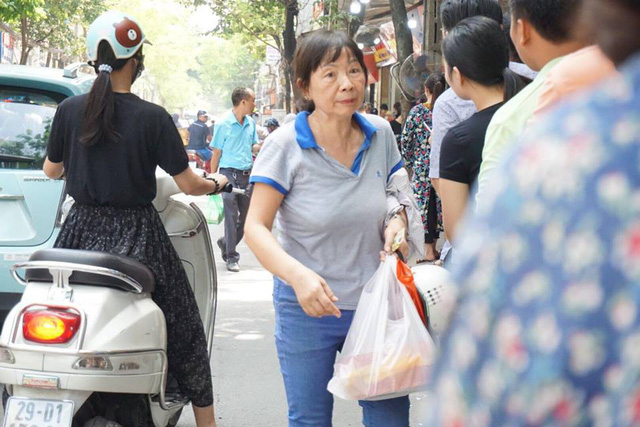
(120, 30)
(438, 293)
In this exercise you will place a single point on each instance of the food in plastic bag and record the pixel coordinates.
(214, 212)
(388, 351)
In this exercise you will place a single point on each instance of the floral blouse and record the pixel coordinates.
(547, 327)
(416, 151)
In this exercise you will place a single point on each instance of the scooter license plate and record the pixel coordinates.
(25, 412)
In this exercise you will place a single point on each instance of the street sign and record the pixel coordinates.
(6, 47)
(273, 55)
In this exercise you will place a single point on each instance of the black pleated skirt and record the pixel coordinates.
(138, 233)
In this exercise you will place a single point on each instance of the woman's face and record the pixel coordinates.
(337, 88)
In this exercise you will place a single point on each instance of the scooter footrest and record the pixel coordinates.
(176, 398)
(171, 398)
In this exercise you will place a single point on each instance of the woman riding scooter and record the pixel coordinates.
(108, 144)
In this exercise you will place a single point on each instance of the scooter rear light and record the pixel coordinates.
(50, 326)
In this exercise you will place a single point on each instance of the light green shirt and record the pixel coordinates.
(508, 125)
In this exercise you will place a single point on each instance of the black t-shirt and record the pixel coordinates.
(461, 151)
(116, 173)
(198, 133)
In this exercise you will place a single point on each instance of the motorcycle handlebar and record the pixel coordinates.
(234, 190)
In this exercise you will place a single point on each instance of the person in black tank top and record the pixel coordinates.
(107, 145)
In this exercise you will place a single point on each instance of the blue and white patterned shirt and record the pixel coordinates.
(547, 327)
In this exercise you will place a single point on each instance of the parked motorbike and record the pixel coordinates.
(196, 160)
(86, 345)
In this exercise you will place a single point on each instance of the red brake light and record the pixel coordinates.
(50, 326)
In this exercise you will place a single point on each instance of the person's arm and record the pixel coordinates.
(496, 141)
(194, 185)
(400, 193)
(217, 145)
(444, 118)
(53, 170)
(394, 226)
(435, 183)
(314, 294)
(454, 198)
(191, 132)
(256, 144)
(215, 159)
(408, 139)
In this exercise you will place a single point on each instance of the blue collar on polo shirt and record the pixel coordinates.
(305, 138)
(231, 118)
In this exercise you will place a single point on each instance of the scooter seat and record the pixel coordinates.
(125, 265)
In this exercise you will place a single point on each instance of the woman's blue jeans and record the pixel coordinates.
(307, 348)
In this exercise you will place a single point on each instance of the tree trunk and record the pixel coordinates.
(289, 41)
(404, 39)
(24, 46)
(49, 54)
(289, 98)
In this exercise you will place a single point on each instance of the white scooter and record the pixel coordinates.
(86, 345)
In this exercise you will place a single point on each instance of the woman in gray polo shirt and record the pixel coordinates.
(326, 178)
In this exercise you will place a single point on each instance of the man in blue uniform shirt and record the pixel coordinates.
(232, 147)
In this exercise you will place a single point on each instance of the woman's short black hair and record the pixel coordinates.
(553, 19)
(318, 48)
(454, 11)
(478, 49)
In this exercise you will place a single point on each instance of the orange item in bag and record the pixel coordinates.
(405, 276)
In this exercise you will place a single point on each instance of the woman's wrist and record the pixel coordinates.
(217, 185)
(397, 213)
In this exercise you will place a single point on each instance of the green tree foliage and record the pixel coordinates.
(52, 23)
(336, 16)
(14, 10)
(190, 70)
(262, 20)
(270, 22)
(225, 64)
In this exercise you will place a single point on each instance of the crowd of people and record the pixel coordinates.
(524, 152)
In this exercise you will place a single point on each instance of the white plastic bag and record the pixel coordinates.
(388, 351)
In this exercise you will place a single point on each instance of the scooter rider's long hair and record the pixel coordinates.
(100, 110)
